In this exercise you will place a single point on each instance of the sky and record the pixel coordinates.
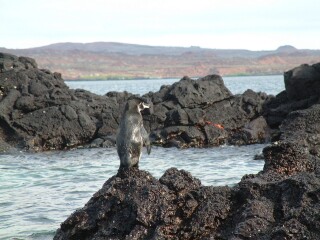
(219, 24)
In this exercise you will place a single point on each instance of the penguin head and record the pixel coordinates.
(137, 103)
(142, 106)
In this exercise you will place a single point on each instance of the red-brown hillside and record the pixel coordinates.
(105, 60)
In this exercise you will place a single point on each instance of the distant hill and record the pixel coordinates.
(112, 60)
(286, 49)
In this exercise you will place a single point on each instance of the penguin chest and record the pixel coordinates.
(129, 133)
(130, 139)
(134, 146)
(136, 136)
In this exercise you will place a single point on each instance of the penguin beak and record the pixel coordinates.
(144, 105)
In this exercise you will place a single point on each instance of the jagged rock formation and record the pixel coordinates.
(203, 112)
(302, 91)
(280, 202)
(39, 112)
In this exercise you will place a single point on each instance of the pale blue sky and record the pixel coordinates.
(246, 24)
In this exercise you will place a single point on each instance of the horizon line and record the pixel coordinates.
(164, 46)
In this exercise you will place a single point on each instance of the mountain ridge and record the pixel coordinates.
(107, 60)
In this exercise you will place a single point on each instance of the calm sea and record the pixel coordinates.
(38, 191)
(269, 84)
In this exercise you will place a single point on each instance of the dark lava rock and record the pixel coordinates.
(135, 205)
(190, 93)
(303, 81)
(256, 131)
(39, 112)
(303, 126)
(206, 113)
(302, 91)
(280, 202)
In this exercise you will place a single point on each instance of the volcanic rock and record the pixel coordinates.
(135, 205)
(303, 81)
(280, 202)
(208, 106)
(302, 91)
(39, 112)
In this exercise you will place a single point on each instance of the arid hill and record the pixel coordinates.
(109, 60)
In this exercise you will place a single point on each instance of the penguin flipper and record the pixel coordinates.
(146, 139)
(148, 149)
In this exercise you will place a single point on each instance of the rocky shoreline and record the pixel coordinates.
(39, 112)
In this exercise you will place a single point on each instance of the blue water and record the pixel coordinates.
(39, 191)
(269, 84)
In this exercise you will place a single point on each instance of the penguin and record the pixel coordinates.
(131, 133)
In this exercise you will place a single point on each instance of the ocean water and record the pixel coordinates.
(269, 84)
(39, 191)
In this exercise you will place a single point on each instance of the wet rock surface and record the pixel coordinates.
(39, 112)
